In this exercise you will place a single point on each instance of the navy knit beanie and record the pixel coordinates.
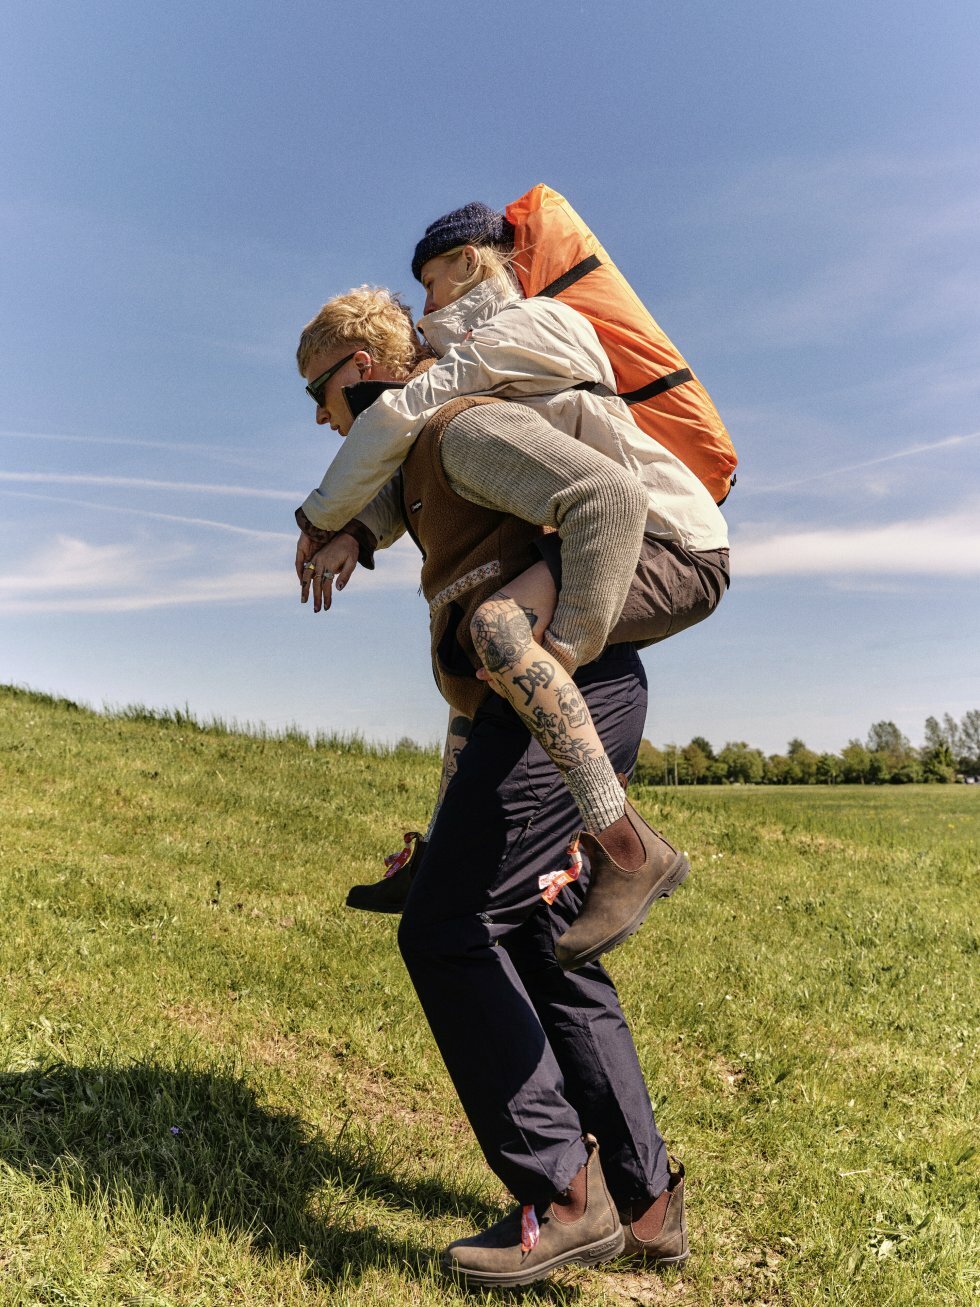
(473, 224)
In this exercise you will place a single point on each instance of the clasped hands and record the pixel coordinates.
(317, 569)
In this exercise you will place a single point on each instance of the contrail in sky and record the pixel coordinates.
(947, 443)
(162, 517)
(143, 483)
(176, 446)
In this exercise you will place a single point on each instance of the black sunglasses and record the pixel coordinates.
(316, 388)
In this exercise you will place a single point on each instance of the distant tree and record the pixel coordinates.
(938, 763)
(696, 763)
(948, 734)
(650, 765)
(953, 733)
(885, 737)
(934, 736)
(804, 763)
(778, 769)
(704, 746)
(855, 763)
(830, 768)
(742, 763)
(892, 756)
(672, 756)
(968, 752)
(908, 771)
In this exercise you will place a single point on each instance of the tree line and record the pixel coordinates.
(950, 751)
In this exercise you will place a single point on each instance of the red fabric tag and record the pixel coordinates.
(395, 861)
(553, 882)
(530, 1230)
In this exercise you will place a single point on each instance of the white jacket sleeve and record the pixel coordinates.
(383, 515)
(529, 348)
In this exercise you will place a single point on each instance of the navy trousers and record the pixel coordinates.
(538, 1056)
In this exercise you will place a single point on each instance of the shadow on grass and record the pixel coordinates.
(201, 1147)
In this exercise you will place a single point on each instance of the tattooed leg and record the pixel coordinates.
(456, 737)
(548, 701)
(542, 693)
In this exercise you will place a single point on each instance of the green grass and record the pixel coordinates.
(176, 957)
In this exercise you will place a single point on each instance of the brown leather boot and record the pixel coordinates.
(669, 1247)
(390, 893)
(581, 1226)
(617, 900)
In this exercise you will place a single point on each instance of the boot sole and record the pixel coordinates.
(363, 907)
(676, 874)
(639, 1258)
(605, 1250)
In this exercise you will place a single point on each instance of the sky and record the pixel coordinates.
(793, 190)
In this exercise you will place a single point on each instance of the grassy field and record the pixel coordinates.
(217, 1086)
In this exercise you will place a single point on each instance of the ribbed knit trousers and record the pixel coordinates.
(538, 1056)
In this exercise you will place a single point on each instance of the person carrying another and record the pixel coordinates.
(542, 1058)
(539, 350)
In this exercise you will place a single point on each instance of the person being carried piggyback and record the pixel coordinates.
(563, 609)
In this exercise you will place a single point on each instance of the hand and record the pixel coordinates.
(335, 561)
(305, 549)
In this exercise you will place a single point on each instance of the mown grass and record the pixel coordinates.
(217, 1087)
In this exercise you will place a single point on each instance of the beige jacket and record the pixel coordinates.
(493, 342)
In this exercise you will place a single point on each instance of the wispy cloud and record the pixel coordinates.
(945, 545)
(72, 575)
(147, 483)
(69, 565)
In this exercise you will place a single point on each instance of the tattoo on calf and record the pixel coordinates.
(549, 729)
(538, 674)
(456, 737)
(572, 705)
(501, 634)
(529, 613)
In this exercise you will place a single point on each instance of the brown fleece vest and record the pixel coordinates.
(468, 553)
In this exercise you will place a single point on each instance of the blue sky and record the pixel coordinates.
(793, 190)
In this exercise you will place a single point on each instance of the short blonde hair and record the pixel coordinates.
(368, 317)
(491, 261)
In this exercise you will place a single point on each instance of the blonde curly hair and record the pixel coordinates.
(368, 317)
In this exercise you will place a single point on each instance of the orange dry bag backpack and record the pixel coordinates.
(556, 254)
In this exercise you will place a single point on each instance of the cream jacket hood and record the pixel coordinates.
(493, 342)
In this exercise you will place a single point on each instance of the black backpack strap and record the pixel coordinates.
(658, 387)
(648, 391)
(570, 277)
(652, 388)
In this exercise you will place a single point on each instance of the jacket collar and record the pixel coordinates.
(449, 326)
